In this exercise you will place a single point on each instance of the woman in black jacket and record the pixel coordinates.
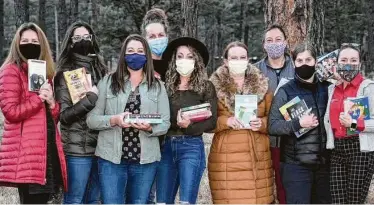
(79, 49)
(304, 159)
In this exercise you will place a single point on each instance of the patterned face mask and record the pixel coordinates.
(348, 72)
(275, 50)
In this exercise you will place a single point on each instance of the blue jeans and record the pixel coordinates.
(126, 182)
(182, 165)
(83, 181)
(306, 184)
(152, 193)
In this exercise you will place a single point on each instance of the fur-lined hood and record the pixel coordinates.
(254, 83)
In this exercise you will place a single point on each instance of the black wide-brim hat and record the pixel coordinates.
(186, 41)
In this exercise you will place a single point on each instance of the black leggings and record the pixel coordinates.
(26, 198)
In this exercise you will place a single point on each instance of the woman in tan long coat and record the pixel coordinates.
(240, 170)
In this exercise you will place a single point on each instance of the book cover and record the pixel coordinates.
(326, 66)
(148, 118)
(246, 109)
(296, 111)
(283, 109)
(357, 108)
(37, 74)
(76, 81)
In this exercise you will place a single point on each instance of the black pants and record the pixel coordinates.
(351, 172)
(27, 198)
(306, 184)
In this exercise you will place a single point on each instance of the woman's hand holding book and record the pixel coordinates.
(234, 123)
(308, 121)
(255, 124)
(46, 95)
(182, 122)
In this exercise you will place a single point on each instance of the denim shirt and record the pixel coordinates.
(109, 145)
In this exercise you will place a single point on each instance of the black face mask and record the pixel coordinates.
(305, 72)
(30, 50)
(83, 47)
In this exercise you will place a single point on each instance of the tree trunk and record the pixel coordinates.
(62, 19)
(95, 13)
(1, 30)
(302, 20)
(189, 10)
(244, 20)
(41, 17)
(370, 37)
(241, 17)
(21, 8)
(74, 9)
(57, 42)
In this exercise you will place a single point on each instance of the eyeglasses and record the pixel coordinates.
(354, 45)
(77, 38)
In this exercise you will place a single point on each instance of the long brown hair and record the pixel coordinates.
(16, 57)
(122, 74)
(64, 56)
(198, 77)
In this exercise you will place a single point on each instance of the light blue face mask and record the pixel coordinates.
(158, 45)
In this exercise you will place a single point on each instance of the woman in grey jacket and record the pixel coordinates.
(128, 152)
(352, 161)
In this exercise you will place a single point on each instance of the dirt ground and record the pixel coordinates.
(10, 195)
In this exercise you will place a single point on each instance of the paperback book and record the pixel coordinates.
(37, 74)
(326, 66)
(246, 109)
(296, 111)
(77, 83)
(357, 108)
(283, 109)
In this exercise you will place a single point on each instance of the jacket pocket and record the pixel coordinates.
(111, 104)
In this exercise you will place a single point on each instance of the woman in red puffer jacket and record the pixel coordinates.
(31, 155)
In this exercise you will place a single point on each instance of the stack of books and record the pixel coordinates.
(145, 118)
(197, 113)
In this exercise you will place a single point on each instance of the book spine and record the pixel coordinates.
(191, 112)
(147, 120)
(205, 105)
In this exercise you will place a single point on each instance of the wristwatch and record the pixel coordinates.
(354, 124)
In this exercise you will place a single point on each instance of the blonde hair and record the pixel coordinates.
(15, 56)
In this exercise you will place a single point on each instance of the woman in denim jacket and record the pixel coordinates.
(128, 152)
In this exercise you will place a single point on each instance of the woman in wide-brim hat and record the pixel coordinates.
(182, 155)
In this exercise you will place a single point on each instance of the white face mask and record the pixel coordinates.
(237, 67)
(185, 66)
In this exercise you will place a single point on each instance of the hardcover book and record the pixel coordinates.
(147, 118)
(197, 113)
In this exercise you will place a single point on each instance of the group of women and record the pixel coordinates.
(99, 158)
